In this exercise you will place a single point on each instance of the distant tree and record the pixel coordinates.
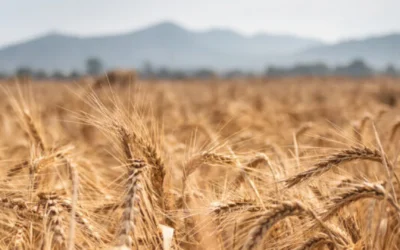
(58, 75)
(40, 75)
(204, 73)
(235, 73)
(273, 71)
(3, 75)
(356, 68)
(24, 72)
(317, 69)
(391, 71)
(94, 66)
(74, 75)
(163, 72)
(147, 70)
(179, 74)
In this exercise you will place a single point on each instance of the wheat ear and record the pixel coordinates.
(124, 238)
(270, 218)
(34, 133)
(232, 206)
(358, 192)
(16, 203)
(350, 225)
(333, 161)
(205, 157)
(153, 158)
(157, 170)
(314, 241)
(54, 219)
(17, 168)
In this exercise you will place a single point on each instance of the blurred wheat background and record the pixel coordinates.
(292, 163)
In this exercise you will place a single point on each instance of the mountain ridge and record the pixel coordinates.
(167, 44)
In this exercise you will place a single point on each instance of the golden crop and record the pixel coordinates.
(296, 163)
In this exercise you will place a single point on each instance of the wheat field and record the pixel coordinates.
(294, 163)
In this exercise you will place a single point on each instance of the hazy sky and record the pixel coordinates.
(330, 20)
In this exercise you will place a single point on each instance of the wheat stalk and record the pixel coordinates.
(80, 219)
(19, 239)
(394, 129)
(74, 177)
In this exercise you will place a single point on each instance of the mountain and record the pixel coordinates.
(164, 44)
(377, 51)
(170, 45)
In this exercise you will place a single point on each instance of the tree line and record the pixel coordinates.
(94, 66)
(356, 68)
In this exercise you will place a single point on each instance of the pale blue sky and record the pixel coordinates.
(325, 19)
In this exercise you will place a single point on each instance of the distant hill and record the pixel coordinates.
(377, 51)
(164, 44)
(167, 44)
